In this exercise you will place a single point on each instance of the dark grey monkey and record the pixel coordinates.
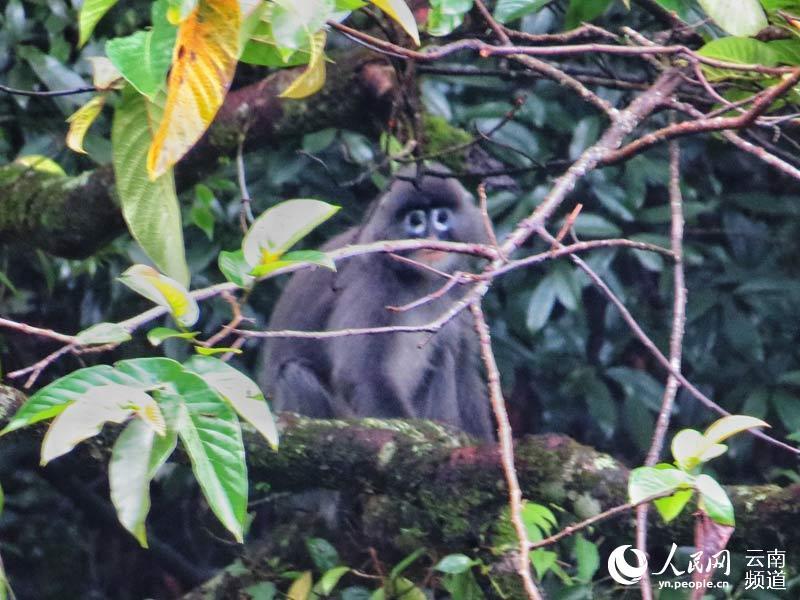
(403, 375)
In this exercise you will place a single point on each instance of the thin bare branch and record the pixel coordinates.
(675, 346)
(654, 350)
(506, 441)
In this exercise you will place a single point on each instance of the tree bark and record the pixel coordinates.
(74, 216)
(416, 476)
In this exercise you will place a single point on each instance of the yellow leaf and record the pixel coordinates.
(149, 412)
(721, 429)
(312, 79)
(81, 120)
(164, 291)
(301, 588)
(40, 163)
(399, 11)
(205, 58)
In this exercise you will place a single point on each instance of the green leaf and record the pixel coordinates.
(463, 586)
(537, 519)
(150, 208)
(455, 564)
(103, 333)
(144, 57)
(329, 580)
(137, 454)
(542, 561)
(399, 588)
(740, 50)
(638, 386)
(157, 335)
(301, 587)
(263, 590)
(51, 400)
(737, 17)
(671, 506)
(509, 10)
(203, 218)
(212, 437)
(294, 22)
(150, 371)
(261, 50)
(405, 563)
(579, 11)
(788, 409)
(235, 268)
(594, 226)
(650, 481)
(690, 448)
(85, 417)
(322, 553)
(164, 291)
(205, 351)
(91, 13)
(242, 393)
(540, 305)
(445, 15)
(790, 378)
(314, 257)
(280, 227)
(588, 558)
(54, 75)
(714, 501)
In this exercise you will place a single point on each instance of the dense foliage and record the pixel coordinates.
(568, 362)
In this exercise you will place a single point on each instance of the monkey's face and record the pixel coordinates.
(433, 223)
(436, 209)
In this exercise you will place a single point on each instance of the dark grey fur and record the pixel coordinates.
(405, 375)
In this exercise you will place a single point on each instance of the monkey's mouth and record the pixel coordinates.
(431, 257)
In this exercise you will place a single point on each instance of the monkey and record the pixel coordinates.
(388, 375)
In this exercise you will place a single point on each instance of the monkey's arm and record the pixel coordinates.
(297, 388)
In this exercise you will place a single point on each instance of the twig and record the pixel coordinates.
(506, 441)
(735, 139)
(36, 369)
(46, 94)
(485, 50)
(487, 221)
(567, 226)
(653, 349)
(575, 248)
(576, 527)
(38, 331)
(675, 346)
(246, 212)
(669, 132)
(627, 121)
(584, 31)
(231, 325)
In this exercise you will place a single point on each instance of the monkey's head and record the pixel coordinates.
(433, 207)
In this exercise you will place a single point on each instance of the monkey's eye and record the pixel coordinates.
(440, 219)
(415, 223)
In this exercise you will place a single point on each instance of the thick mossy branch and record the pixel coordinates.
(75, 216)
(425, 484)
(57, 213)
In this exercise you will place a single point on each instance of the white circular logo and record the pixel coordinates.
(623, 572)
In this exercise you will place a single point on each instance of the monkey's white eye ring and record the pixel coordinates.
(440, 219)
(416, 223)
